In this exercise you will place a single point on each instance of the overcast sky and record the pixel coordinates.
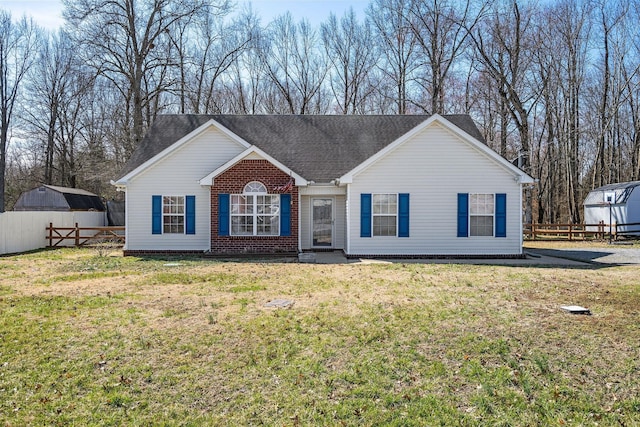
(48, 13)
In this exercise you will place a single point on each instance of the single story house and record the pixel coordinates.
(383, 185)
(54, 198)
(617, 203)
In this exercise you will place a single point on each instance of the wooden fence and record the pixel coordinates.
(84, 235)
(599, 231)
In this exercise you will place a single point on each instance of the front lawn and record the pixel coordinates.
(92, 340)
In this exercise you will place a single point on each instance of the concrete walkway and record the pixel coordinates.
(532, 259)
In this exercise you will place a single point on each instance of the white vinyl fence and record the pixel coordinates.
(25, 231)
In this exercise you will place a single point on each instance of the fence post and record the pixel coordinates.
(50, 233)
(601, 230)
(77, 235)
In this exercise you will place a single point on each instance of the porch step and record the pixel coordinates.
(307, 257)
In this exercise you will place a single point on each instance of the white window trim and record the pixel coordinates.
(166, 215)
(373, 214)
(492, 215)
(254, 215)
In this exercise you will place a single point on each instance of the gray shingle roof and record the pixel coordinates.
(318, 148)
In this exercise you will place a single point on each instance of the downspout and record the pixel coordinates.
(126, 220)
(299, 221)
(520, 222)
(348, 219)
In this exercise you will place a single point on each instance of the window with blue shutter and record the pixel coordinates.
(365, 215)
(285, 214)
(463, 215)
(190, 215)
(403, 215)
(501, 215)
(156, 214)
(223, 214)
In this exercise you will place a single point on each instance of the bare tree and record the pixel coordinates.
(216, 48)
(503, 44)
(397, 42)
(441, 28)
(18, 41)
(570, 30)
(294, 65)
(348, 47)
(247, 79)
(121, 40)
(48, 84)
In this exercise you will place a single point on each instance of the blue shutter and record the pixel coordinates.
(463, 215)
(365, 215)
(156, 214)
(403, 215)
(223, 214)
(190, 215)
(501, 215)
(285, 214)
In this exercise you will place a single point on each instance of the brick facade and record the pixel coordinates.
(233, 181)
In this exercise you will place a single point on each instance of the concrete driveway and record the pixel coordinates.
(611, 255)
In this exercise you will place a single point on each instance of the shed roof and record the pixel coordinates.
(318, 147)
(622, 191)
(69, 190)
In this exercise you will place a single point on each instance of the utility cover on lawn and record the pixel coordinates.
(576, 309)
(279, 303)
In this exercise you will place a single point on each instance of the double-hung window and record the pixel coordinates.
(481, 214)
(385, 214)
(173, 214)
(254, 212)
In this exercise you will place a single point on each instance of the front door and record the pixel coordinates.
(322, 212)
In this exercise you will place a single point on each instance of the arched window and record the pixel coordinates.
(254, 187)
(254, 212)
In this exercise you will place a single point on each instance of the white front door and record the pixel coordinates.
(322, 219)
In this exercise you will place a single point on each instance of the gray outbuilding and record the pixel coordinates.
(54, 198)
(617, 203)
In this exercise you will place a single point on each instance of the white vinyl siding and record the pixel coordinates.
(434, 166)
(178, 173)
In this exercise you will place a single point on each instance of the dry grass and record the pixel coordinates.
(111, 340)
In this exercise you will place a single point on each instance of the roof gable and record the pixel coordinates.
(447, 124)
(157, 143)
(252, 152)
